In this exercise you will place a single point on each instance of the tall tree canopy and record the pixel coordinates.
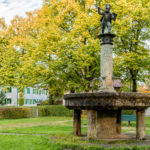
(57, 46)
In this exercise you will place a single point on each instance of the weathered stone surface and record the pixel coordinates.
(107, 100)
(108, 106)
(92, 121)
(106, 68)
(140, 124)
(106, 62)
(106, 124)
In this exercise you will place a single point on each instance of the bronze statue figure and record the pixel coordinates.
(106, 19)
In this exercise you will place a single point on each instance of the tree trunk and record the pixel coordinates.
(134, 89)
(21, 98)
(51, 99)
(134, 81)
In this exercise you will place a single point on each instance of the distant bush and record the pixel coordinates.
(128, 112)
(46, 102)
(21, 98)
(15, 113)
(32, 112)
(54, 110)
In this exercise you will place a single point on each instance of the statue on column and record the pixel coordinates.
(106, 19)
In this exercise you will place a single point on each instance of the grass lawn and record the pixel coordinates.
(54, 133)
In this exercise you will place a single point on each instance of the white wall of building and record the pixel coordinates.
(32, 96)
(148, 112)
(13, 95)
(35, 96)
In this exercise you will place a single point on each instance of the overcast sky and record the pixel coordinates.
(11, 8)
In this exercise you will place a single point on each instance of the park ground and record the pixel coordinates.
(56, 133)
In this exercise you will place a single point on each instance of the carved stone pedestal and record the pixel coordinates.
(106, 124)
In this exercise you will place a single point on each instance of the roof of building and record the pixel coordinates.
(117, 83)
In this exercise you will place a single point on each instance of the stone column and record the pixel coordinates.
(119, 122)
(77, 122)
(107, 124)
(92, 119)
(140, 124)
(106, 62)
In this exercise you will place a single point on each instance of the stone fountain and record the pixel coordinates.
(105, 106)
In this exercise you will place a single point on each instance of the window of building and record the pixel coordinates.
(33, 91)
(40, 92)
(34, 101)
(8, 101)
(31, 101)
(28, 90)
(46, 92)
(26, 101)
(37, 91)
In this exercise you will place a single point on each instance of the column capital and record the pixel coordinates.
(106, 38)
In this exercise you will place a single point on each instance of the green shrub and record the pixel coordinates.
(21, 99)
(128, 112)
(15, 113)
(54, 110)
(46, 102)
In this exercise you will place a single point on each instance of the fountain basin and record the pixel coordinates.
(107, 100)
(104, 112)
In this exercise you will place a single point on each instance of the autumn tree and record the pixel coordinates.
(66, 55)
(132, 29)
(15, 70)
(57, 47)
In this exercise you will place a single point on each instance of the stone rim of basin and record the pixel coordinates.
(107, 100)
(108, 94)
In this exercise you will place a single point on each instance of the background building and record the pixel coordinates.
(32, 96)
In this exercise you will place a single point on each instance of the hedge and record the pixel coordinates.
(32, 112)
(15, 113)
(54, 110)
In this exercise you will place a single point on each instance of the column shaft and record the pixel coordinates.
(106, 67)
(77, 122)
(119, 122)
(140, 124)
(92, 119)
